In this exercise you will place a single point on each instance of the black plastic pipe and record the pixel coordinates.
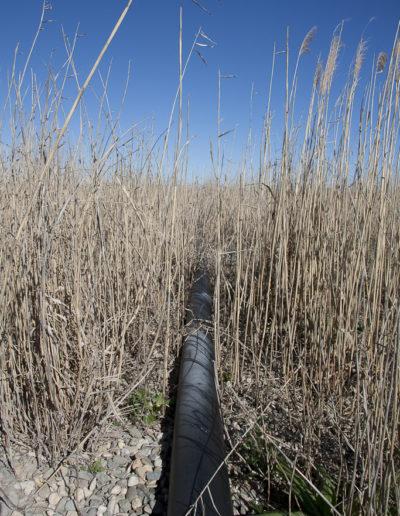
(198, 450)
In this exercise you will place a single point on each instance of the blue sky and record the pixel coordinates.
(244, 33)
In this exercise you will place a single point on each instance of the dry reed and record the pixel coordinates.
(306, 261)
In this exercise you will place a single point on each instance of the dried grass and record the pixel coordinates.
(306, 267)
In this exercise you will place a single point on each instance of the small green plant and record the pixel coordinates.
(227, 377)
(146, 406)
(94, 468)
(309, 502)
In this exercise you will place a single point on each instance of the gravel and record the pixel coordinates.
(125, 474)
(121, 477)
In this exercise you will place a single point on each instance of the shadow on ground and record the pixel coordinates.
(167, 429)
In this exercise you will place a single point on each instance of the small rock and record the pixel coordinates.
(28, 487)
(101, 510)
(48, 473)
(5, 475)
(137, 463)
(144, 452)
(116, 490)
(141, 472)
(38, 478)
(80, 494)
(125, 506)
(61, 505)
(38, 509)
(72, 513)
(69, 505)
(112, 506)
(137, 433)
(62, 491)
(129, 451)
(153, 475)
(53, 487)
(119, 473)
(95, 502)
(91, 512)
(54, 498)
(85, 475)
(64, 471)
(87, 492)
(102, 478)
(44, 493)
(30, 468)
(148, 509)
(136, 503)
(133, 480)
(131, 493)
(117, 461)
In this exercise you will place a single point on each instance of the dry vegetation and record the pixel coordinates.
(304, 254)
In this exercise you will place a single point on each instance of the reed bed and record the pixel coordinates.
(304, 252)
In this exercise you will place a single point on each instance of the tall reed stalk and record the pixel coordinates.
(96, 255)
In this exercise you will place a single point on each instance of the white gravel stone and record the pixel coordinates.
(87, 492)
(112, 506)
(122, 488)
(64, 471)
(61, 505)
(62, 491)
(141, 471)
(80, 495)
(38, 479)
(70, 505)
(133, 480)
(115, 490)
(54, 498)
(136, 503)
(53, 487)
(44, 492)
(28, 487)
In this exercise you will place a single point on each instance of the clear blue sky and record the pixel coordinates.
(244, 31)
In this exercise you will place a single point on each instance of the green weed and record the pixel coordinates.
(94, 468)
(146, 406)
